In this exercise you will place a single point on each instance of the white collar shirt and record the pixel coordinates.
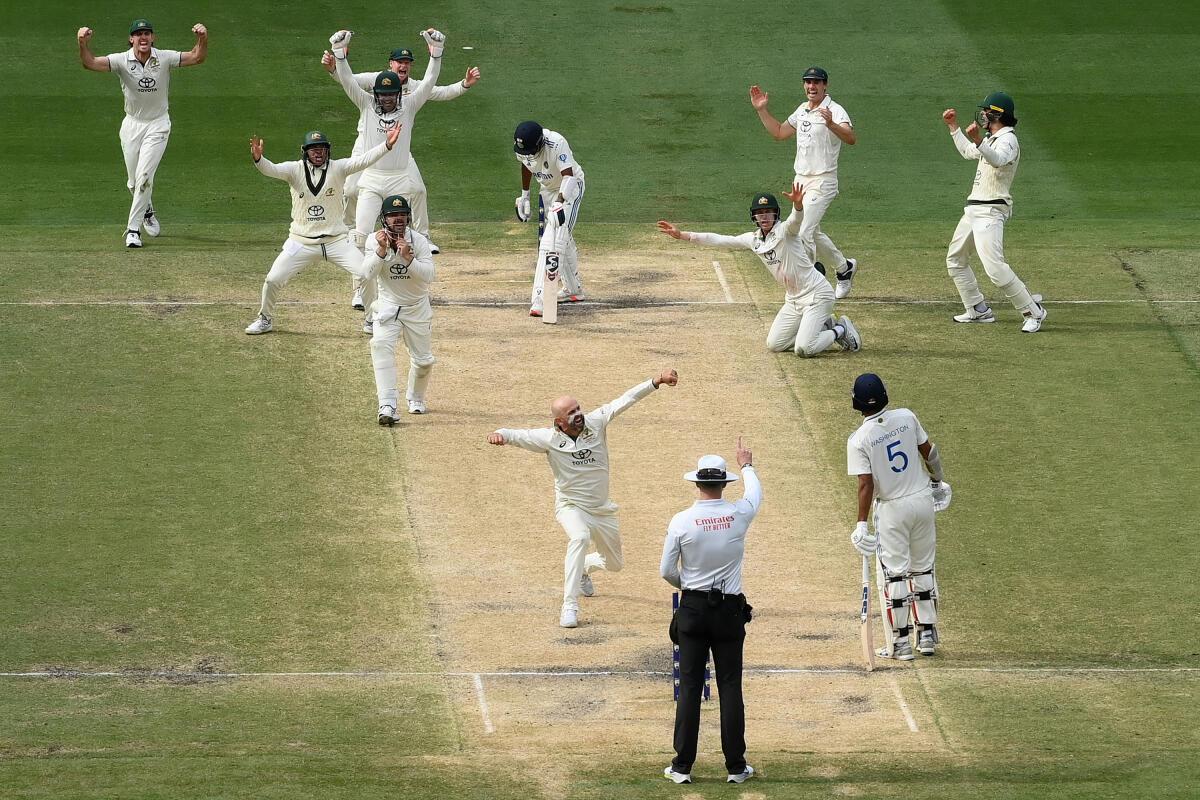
(706, 543)
(145, 85)
(817, 147)
(998, 156)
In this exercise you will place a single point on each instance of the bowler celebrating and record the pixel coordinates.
(145, 75)
(577, 449)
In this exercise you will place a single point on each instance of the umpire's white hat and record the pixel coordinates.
(710, 469)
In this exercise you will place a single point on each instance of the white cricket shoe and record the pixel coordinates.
(260, 325)
(416, 407)
(845, 279)
(901, 651)
(569, 618)
(850, 339)
(742, 776)
(677, 777)
(1034, 316)
(133, 239)
(535, 311)
(433, 248)
(356, 302)
(926, 643)
(150, 223)
(565, 296)
(971, 315)
(586, 586)
(387, 415)
(368, 327)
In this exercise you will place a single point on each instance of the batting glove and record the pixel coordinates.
(559, 212)
(523, 210)
(863, 540)
(340, 42)
(436, 41)
(941, 495)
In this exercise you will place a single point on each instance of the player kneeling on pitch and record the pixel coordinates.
(906, 494)
(577, 449)
(544, 154)
(702, 556)
(317, 232)
(402, 263)
(805, 324)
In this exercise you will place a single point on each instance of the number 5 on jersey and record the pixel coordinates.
(893, 453)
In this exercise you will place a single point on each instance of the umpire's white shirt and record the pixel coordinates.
(547, 164)
(580, 465)
(817, 147)
(781, 252)
(998, 156)
(145, 85)
(705, 544)
(885, 447)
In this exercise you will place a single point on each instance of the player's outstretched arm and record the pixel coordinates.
(264, 164)
(88, 60)
(199, 51)
(672, 231)
(778, 130)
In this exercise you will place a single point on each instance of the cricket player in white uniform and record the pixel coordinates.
(382, 108)
(544, 154)
(981, 229)
(805, 324)
(905, 493)
(401, 260)
(399, 62)
(820, 126)
(577, 449)
(145, 75)
(317, 232)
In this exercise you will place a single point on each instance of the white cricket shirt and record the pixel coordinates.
(548, 163)
(817, 147)
(400, 284)
(580, 465)
(998, 156)
(375, 125)
(318, 195)
(885, 447)
(366, 82)
(145, 85)
(705, 544)
(780, 251)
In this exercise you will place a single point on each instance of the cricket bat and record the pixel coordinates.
(866, 630)
(551, 286)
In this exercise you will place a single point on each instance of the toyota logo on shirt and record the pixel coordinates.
(316, 211)
(581, 454)
(146, 83)
(399, 270)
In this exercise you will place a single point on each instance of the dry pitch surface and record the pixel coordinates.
(482, 516)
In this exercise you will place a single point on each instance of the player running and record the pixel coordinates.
(804, 324)
(145, 74)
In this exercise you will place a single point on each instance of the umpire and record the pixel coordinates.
(702, 556)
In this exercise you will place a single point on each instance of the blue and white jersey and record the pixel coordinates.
(548, 163)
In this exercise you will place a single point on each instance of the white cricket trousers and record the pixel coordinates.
(294, 257)
(143, 144)
(584, 527)
(413, 324)
(558, 239)
(800, 324)
(907, 548)
(981, 231)
(819, 192)
(416, 197)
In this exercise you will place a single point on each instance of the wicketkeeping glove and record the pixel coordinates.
(523, 210)
(436, 41)
(941, 495)
(340, 42)
(863, 540)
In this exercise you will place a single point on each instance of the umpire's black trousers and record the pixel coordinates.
(702, 625)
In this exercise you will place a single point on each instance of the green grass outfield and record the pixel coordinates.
(177, 496)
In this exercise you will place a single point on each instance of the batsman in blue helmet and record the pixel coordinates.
(900, 480)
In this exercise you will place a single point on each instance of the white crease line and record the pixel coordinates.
(488, 727)
(908, 717)
(169, 674)
(642, 303)
(724, 283)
